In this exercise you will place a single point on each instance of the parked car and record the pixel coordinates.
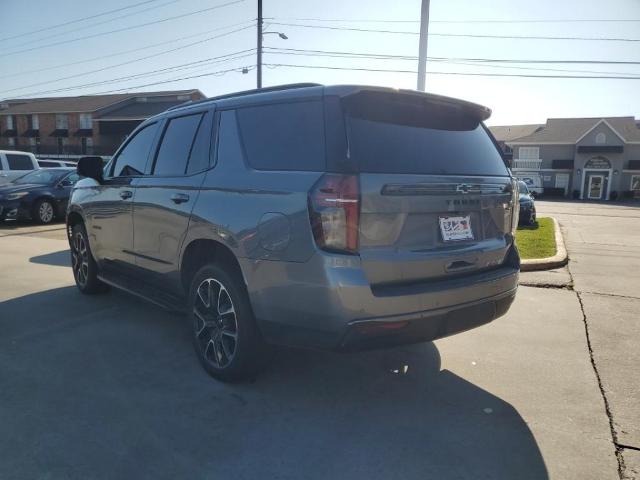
(14, 164)
(47, 163)
(527, 205)
(342, 217)
(533, 181)
(40, 195)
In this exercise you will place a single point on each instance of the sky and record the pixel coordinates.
(212, 41)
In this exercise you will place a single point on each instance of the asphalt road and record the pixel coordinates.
(109, 387)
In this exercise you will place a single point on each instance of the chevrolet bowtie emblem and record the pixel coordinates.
(463, 188)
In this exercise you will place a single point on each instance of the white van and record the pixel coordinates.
(14, 164)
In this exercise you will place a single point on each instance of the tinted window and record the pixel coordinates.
(392, 135)
(19, 162)
(229, 146)
(133, 157)
(177, 140)
(288, 136)
(46, 164)
(199, 158)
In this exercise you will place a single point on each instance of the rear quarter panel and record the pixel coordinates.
(259, 215)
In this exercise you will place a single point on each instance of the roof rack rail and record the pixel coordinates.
(276, 88)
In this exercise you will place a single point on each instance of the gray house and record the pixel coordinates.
(591, 158)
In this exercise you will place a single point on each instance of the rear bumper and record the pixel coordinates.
(424, 326)
(328, 303)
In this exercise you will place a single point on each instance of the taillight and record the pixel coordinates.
(334, 212)
(515, 206)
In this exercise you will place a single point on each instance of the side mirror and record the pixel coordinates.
(91, 167)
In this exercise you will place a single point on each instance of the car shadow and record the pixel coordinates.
(108, 386)
(17, 224)
(533, 226)
(57, 259)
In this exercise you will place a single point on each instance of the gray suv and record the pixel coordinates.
(334, 217)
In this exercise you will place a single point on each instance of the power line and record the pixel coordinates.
(132, 27)
(466, 59)
(316, 53)
(92, 25)
(467, 35)
(77, 20)
(199, 63)
(327, 67)
(124, 52)
(218, 73)
(135, 60)
(577, 20)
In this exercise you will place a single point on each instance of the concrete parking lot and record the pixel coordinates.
(109, 387)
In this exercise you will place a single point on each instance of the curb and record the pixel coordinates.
(560, 259)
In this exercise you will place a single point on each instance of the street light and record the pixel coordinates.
(280, 34)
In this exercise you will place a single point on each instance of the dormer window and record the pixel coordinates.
(601, 138)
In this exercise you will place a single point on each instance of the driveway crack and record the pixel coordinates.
(607, 407)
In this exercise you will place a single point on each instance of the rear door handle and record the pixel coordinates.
(179, 198)
(125, 194)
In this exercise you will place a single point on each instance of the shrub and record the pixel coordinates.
(553, 192)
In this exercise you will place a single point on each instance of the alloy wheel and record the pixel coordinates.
(80, 259)
(215, 323)
(45, 212)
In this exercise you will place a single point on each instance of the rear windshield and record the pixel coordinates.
(396, 134)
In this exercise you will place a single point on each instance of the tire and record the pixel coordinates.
(43, 212)
(225, 336)
(85, 269)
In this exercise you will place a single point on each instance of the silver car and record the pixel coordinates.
(335, 217)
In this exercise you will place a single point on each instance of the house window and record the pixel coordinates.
(12, 141)
(85, 121)
(529, 153)
(635, 184)
(62, 122)
(9, 122)
(87, 145)
(601, 138)
(34, 123)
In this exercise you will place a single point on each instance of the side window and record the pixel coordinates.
(287, 136)
(71, 179)
(19, 162)
(200, 153)
(132, 159)
(177, 140)
(229, 146)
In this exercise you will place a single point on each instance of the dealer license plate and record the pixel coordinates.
(456, 228)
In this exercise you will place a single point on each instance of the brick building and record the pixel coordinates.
(69, 127)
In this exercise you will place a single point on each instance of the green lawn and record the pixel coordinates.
(536, 241)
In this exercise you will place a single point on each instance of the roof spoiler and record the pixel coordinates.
(479, 112)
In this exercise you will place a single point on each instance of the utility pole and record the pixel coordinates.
(422, 49)
(259, 49)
